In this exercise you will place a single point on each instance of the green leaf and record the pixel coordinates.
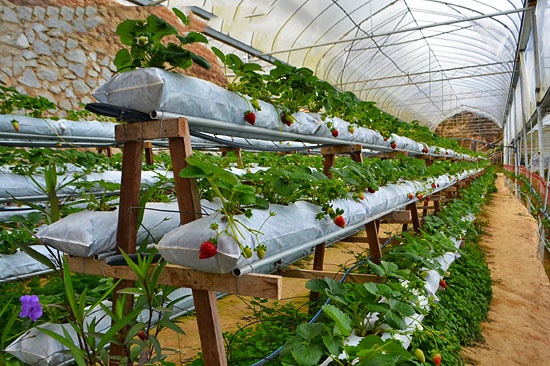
(193, 172)
(401, 307)
(67, 341)
(395, 321)
(123, 60)
(130, 291)
(317, 285)
(342, 320)
(36, 255)
(308, 355)
(334, 344)
(184, 19)
(309, 331)
(35, 218)
(371, 287)
(170, 325)
(218, 53)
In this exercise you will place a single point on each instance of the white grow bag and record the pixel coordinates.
(292, 226)
(153, 90)
(88, 233)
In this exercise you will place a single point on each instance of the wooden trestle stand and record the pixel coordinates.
(203, 285)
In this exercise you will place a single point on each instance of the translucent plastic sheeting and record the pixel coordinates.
(427, 74)
(160, 92)
(20, 264)
(292, 226)
(543, 13)
(88, 233)
(36, 348)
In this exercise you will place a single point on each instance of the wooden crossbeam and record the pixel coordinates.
(313, 274)
(254, 284)
(341, 149)
(150, 130)
(397, 217)
(392, 154)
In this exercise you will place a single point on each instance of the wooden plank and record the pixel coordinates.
(341, 149)
(313, 274)
(150, 130)
(187, 190)
(374, 244)
(414, 215)
(149, 156)
(450, 189)
(392, 154)
(126, 236)
(210, 330)
(238, 153)
(397, 217)
(357, 239)
(357, 156)
(318, 263)
(327, 164)
(253, 284)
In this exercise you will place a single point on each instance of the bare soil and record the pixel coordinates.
(518, 330)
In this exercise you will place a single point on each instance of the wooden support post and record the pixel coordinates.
(374, 244)
(327, 164)
(238, 154)
(132, 159)
(210, 331)
(177, 132)
(425, 209)
(414, 215)
(206, 307)
(149, 156)
(318, 265)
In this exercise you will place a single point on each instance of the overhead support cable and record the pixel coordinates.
(412, 29)
(427, 72)
(432, 81)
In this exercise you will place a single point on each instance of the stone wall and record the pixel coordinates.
(469, 125)
(65, 52)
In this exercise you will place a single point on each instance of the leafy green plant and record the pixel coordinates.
(148, 49)
(12, 101)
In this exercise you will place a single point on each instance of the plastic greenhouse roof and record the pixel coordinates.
(428, 73)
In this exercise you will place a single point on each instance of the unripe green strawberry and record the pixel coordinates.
(419, 355)
(261, 253)
(351, 129)
(423, 274)
(247, 252)
(256, 104)
(15, 125)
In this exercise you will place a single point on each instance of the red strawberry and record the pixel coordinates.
(250, 117)
(142, 335)
(434, 185)
(419, 196)
(339, 221)
(437, 185)
(334, 133)
(371, 190)
(428, 198)
(411, 196)
(393, 145)
(288, 119)
(446, 152)
(385, 139)
(207, 250)
(443, 284)
(437, 359)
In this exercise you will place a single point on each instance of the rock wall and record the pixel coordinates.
(65, 52)
(469, 125)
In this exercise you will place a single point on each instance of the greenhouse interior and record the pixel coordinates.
(283, 182)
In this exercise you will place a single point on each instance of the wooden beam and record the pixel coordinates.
(341, 149)
(253, 284)
(374, 244)
(150, 130)
(149, 156)
(397, 217)
(313, 274)
(357, 239)
(392, 154)
(238, 153)
(414, 214)
(210, 330)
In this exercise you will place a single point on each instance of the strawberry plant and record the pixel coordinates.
(147, 49)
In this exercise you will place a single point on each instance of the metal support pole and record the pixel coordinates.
(538, 97)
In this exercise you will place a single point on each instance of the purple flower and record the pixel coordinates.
(30, 306)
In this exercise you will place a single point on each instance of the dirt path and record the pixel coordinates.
(518, 331)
